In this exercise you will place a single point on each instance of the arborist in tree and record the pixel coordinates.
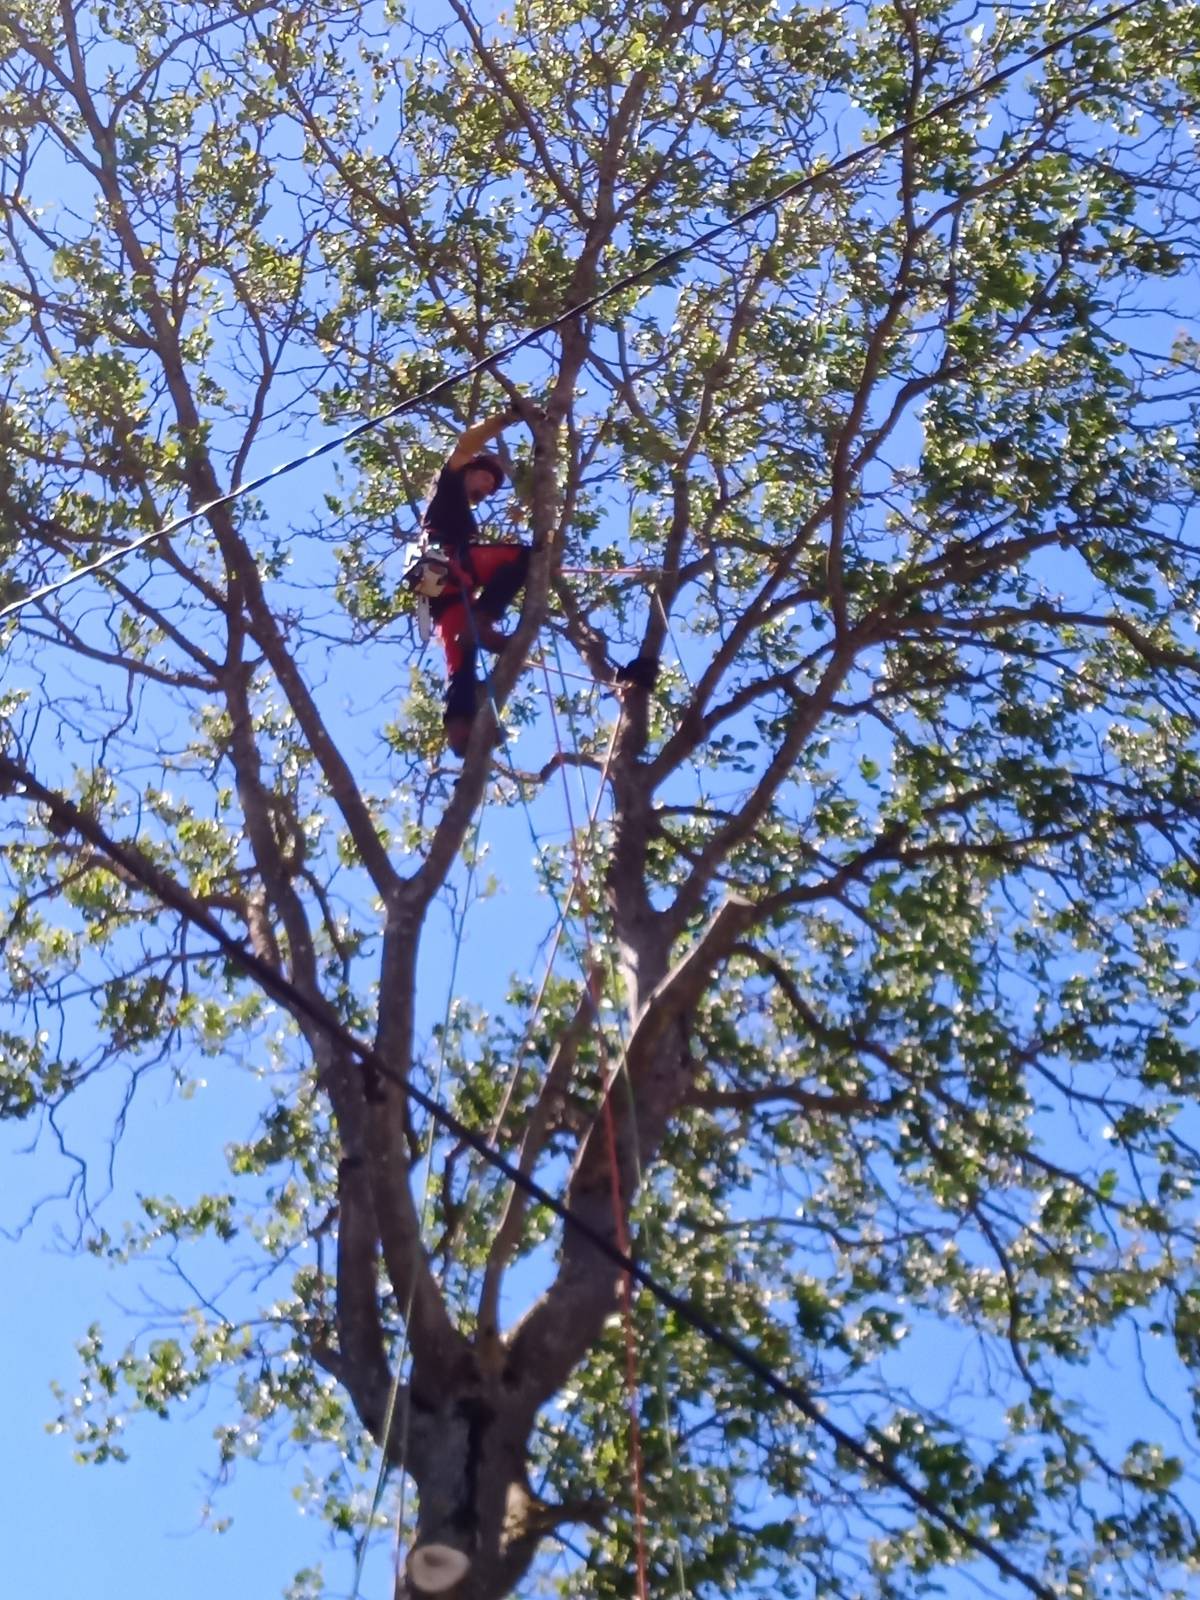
(470, 585)
(467, 585)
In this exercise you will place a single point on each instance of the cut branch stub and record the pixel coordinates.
(436, 1568)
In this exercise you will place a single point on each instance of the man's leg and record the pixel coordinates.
(501, 570)
(454, 634)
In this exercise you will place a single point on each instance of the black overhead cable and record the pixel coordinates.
(810, 180)
(163, 887)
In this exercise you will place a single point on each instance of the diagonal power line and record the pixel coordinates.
(874, 1457)
(812, 179)
(163, 888)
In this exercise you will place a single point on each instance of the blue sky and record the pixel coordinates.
(173, 1143)
(134, 1529)
(138, 1528)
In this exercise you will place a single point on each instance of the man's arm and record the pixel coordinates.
(473, 440)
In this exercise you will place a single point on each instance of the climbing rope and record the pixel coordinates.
(592, 978)
(590, 970)
(658, 1345)
(631, 1370)
(560, 922)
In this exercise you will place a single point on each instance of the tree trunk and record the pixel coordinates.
(478, 1525)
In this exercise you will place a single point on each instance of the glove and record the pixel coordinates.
(522, 410)
(642, 672)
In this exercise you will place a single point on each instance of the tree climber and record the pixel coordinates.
(469, 585)
(472, 584)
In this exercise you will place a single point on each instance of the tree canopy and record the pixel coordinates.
(856, 958)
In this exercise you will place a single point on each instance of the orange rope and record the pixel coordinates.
(593, 813)
(614, 572)
(609, 1079)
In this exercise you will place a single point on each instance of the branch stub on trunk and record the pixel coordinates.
(436, 1568)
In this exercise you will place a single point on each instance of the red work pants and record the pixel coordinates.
(486, 590)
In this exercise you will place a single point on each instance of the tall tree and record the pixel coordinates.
(876, 1001)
